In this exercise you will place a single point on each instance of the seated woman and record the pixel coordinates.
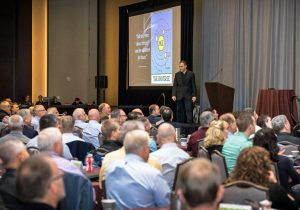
(267, 139)
(216, 136)
(264, 121)
(254, 165)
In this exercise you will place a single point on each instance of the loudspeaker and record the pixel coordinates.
(101, 81)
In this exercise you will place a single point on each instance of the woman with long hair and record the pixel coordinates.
(254, 165)
(216, 136)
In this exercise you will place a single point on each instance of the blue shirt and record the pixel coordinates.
(232, 148)
(169, 155)
(91, 133)
(135, 184)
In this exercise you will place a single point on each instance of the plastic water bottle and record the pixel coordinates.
(89, 163)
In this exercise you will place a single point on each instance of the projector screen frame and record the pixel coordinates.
(146, 95)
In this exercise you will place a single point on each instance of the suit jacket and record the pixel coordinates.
(184, 86)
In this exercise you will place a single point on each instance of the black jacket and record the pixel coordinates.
(184, 86)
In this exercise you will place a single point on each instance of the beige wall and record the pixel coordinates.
(72, 49)
(109, 46)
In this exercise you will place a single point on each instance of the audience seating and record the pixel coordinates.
(219, 160)
(79, 149)
(244, 192)
(203, 153)
(178, 172)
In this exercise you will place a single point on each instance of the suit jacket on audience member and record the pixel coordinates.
(29, 131)
(3, 114)
(8, 189)
(288, 137)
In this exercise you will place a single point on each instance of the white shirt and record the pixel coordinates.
(91, 133)
(169, 155)
(69, 137)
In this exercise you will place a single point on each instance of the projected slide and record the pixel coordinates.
(154, 47)
(161, 47)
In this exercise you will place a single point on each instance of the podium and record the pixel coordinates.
(220, 96)
(274, 102)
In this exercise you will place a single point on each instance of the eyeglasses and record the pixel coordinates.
(60, 176)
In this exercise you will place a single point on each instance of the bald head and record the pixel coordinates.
(79, 114)
(15, 123)
(166, 133)
(94, 115)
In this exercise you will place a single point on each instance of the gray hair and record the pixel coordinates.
(9, 150)
(278, 123)
(77, 113)
(130, 126)
(115, 113)
(15, 122)
(48, 137)
(24, 113)
(205, 118)
(135, 141)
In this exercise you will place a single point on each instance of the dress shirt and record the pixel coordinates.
(65, 165)
(119, 155)
(69, 137)
(232, 148)
(35, 122)
(34, 143)
(16, 135)
(134, 184)
(80, 124)
(169, 155)
(91, 133)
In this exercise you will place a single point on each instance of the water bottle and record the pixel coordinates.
(89, 163)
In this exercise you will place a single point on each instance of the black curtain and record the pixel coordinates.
(187, 20)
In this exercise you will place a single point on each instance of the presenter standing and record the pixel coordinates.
(184, 92)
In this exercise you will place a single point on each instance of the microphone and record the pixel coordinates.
(216, 74)
(164, 98)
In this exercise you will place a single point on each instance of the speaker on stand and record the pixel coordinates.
(101, 85)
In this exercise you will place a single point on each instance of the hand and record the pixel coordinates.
(174, 98)
(272, 177)
(194, 98)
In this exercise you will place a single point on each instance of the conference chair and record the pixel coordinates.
(244, 192)
(79, 149)
(203, 153)
(178, 173)
(219, 160)
(274, 168)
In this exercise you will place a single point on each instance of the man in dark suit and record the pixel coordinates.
(184, 92)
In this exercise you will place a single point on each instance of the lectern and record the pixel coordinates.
(220, 96)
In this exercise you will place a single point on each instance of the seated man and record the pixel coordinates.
(4, 109)
(80, 118)
(93, 130)
(200, 185)
(282, 128)
(131, 181)
(105, 111)
(154, 114)
(39, 184)
(12, 153)
(167, 116)
(27, 128)
(120, 115)
(230, 119)
(111, 135)
(67, 127)
(206, 118)
(240, 140)
(15, 125)
(78, 196)
(169, 154)
(38, 112)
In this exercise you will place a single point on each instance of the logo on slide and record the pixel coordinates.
(161, 43)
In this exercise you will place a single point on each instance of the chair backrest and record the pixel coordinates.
(103, 187)
(296, 130)
(287, 143)
(33, 150)
(289, 148)
(274, 168)
(79, 149)
(243, 192)
(203, 153)
(178, 173)
(218, 159)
